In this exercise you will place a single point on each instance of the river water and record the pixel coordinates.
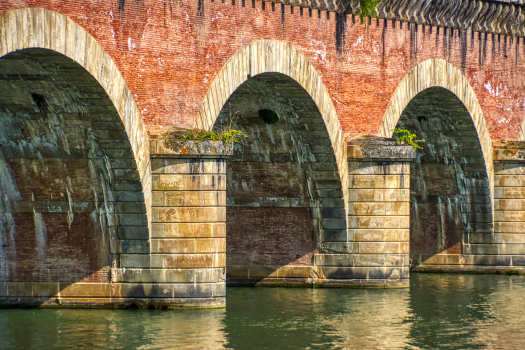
(438, 311)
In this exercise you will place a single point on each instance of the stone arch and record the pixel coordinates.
(451, 178)
(114, 146)
(295, 170)
(436, 72)
(273, 56)
(45, 29)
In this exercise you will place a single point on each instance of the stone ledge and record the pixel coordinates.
(172, 148)
(373, 147)
(509, 151)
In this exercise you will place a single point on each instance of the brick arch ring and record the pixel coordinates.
(437, 72)
(41, 28)
(273, 56)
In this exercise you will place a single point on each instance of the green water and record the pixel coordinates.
(438, 311)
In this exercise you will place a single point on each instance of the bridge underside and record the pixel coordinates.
(74, 226)
(71, 198)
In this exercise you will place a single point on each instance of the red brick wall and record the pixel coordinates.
(65, 254)
(269, 236)
(169, 52)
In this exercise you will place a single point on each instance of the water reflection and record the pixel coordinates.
(439, 311)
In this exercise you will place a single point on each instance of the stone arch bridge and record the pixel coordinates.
(101, 205)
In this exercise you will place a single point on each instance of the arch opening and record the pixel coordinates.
(449, 182)
(284, 195)
(71, 196)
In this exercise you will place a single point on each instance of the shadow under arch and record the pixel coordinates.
(45, 29)
(287, 184)
(74, 160)
(450, 179)
(436, 72)
(273, 56)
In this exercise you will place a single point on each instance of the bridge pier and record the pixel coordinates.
(377, 252)
(187, 264)
(509, 208)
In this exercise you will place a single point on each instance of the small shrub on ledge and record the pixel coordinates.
(228, 137)
(407, 138)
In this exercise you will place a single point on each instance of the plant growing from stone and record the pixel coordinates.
(224, 132)
(367, 8)
(228, 137)
(407, 138)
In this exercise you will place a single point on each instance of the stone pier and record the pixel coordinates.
(188, 228)
(506, 250)
(377, 251)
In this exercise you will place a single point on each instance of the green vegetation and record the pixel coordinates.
(225, 132)
(268, 116)
(407, 138)
(367, 8)
(228, 137)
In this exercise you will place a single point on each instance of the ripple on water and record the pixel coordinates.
(439, 311)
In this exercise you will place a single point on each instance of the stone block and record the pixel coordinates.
(378, 181)
(361, 260)
(509, 192)
(381, 235)
(384, 248)
(85, 290)
(504, 168)
(509, 238)
(129, 196)
(133, 232)
(134, 246)
(132, 220)
(333, 235)
(378, 168)
(204, 275)
(339, 247)
(381, 208)
(188, 166)
(509, 180)
(333, 224)
(188, 230)
(381, 195)
(378, 222)
(490, 260)
(188, 214)
(20, 289)
(486, 238)
(263, 271)
(509, 227)
(439, 259)
(189, 182)
(509, 204)
(494, 249)
(507, 216)
(237, 270)
(131, 208)
(188, 260)
(134, 260)
(189, 199)
(188, 245)
(294, 272)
